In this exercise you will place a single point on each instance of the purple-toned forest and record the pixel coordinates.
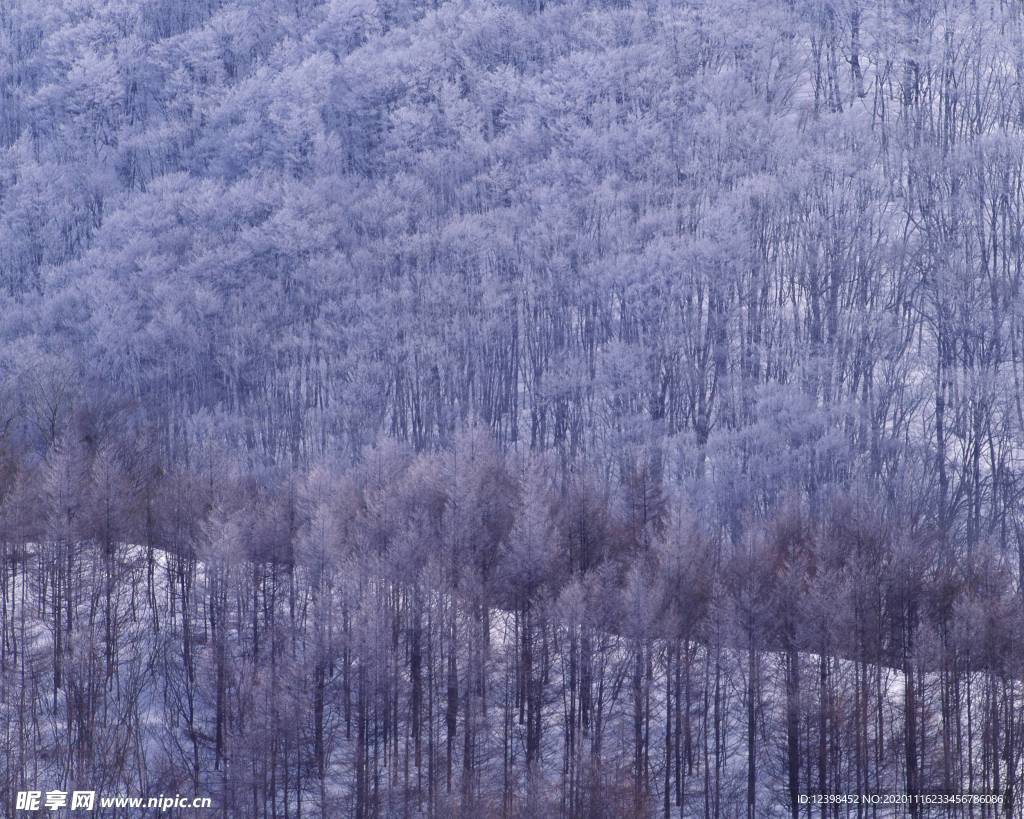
(497, 410)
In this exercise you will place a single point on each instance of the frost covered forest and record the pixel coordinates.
(512, 409)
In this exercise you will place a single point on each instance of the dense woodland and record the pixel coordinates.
(512, 409)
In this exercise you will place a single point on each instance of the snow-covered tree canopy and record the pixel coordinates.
(492, 408)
